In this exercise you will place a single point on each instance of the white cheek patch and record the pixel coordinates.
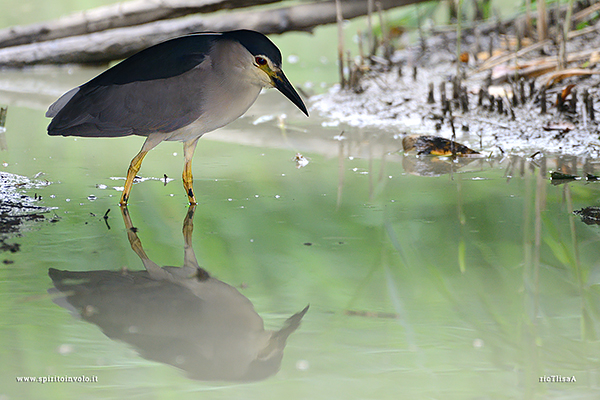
(262, 78)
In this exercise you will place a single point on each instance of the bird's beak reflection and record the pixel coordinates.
(281, 82)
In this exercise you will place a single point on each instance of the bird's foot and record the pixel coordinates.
(191, 197)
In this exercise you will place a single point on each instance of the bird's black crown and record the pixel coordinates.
(257, 44)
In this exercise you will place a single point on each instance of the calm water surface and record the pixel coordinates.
(424, 278)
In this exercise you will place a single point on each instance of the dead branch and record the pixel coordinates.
(492, 62)
(119, 15)
(114, 44)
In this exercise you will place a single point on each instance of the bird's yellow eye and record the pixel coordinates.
(260, 61)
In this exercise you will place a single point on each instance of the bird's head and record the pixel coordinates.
(266, 63)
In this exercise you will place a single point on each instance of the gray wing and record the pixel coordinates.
(155, 90)
(136, 108)
(60, 103)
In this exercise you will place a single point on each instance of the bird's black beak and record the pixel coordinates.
(284, 86)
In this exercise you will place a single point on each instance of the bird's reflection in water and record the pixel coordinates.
(178, 315)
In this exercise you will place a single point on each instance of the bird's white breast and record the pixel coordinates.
(228, 88)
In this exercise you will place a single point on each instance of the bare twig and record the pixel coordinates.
(492, 62)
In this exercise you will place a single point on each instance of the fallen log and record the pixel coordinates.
(119, 15)
(114, 44)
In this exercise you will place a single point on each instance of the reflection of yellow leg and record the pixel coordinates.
(188, 225)
(189, 260)
(134, 168)
(188, 179)
(155, 271)
(135, 165)
(134, 240)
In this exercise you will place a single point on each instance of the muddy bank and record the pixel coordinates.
(519, 106)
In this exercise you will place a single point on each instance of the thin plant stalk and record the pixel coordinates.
(542, 23)
(528, 24)
(458, 36)
(420, 27)
(340, 28)
(382, 24)
(562, 62)
(370, 42)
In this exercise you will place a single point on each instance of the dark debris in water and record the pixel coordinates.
(559, 178)
(12, 215)
(16, 208)
(589, 215)
(12, 247)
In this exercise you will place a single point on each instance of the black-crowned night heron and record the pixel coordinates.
(177, 90)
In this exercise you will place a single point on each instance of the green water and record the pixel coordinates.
(472, 284)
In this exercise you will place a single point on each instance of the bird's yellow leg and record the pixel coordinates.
(134, 168)
(136, 164)
(188, 153)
